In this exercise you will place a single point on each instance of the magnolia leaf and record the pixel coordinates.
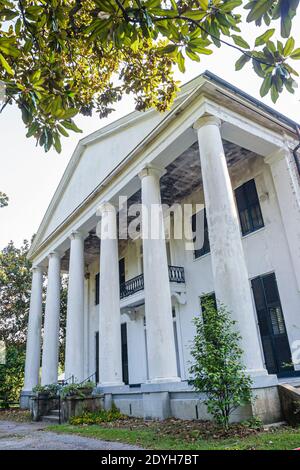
(295, 54)
(239, 41)
(266, 85)
(289, 47)
(6, 65)
(264, 37)
(241, 62)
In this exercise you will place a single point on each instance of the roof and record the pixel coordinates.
(281, 117)
(188, 91)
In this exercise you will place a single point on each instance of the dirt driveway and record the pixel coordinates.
(34, 436)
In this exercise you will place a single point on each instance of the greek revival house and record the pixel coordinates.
(132, 300)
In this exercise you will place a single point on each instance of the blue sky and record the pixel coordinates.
(30, 177)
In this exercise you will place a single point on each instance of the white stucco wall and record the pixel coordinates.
(266, 250)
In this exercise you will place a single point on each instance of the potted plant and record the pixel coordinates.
(77, 390)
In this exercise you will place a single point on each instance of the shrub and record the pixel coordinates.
(98, 417)
(217, 367)
(79, 390)
(52, 389)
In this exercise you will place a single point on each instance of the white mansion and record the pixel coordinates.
(131, 301)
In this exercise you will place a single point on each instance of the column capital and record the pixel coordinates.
(276, 156)
(207, 120)
(37, 269)
(54, 254)
(76, 235)
(151, 170)
(105, 207)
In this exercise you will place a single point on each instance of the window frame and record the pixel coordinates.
(249, 207)
(205, 250)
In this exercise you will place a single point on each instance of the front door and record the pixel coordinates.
(97, 356)
(272, 326)
(124, 353)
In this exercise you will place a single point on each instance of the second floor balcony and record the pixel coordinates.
(136, 284)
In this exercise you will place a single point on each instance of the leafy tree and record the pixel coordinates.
(63, 57)
(3, 200)
(12, 375)
(15, 287)
(217, 368)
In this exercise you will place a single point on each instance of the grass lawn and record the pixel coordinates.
(197, 436)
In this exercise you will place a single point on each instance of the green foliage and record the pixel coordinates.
(253, 423)
(78, 390)
(11, 375)
(15, 288)
(3, 200)
(52, 390)
(59, 58)
(217, 363)
(98, 417)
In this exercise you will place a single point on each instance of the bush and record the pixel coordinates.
(79, 390)
(98, 417)
(217, 368)
(52, 390)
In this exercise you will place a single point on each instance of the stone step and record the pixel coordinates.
(51, 419)
(54, 412)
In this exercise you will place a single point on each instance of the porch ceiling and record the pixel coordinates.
(182, 178)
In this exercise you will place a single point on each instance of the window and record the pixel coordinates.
(200, 231)
(272, 328)
(248, 207)
(97, 279)
(176, 341)
(122, 271)
(125, 372)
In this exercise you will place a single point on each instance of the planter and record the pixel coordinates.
(75, 405)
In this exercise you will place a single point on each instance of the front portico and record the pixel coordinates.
(130, 322)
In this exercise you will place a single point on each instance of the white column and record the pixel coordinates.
(286, 182)
(158, 307)
(231, 281)
(33, 346)
(51, 324)
(110, 354)
(75, 322)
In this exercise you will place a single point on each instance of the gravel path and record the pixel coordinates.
(33, 436)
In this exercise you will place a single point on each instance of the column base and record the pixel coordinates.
(163, 380)
(25, 399)
(110, 384)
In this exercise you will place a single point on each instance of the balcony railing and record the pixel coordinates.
(136, 284)
(176, 274)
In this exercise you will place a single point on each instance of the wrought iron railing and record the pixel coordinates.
(136, 284)
(132, 286)
(90, 378)
(176, 274)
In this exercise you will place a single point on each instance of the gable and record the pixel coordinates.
(98, 158)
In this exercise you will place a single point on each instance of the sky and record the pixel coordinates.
(30, 177)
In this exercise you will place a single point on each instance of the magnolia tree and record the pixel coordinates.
(59, 58)
(217, 367)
